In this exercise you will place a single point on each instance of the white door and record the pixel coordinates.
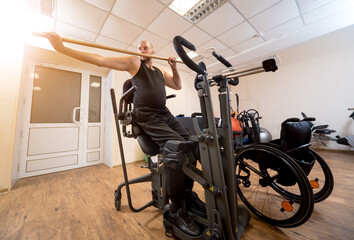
(62, 121)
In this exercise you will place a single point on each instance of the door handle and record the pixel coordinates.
(74, 114)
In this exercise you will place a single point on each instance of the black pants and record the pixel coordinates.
(161, 126)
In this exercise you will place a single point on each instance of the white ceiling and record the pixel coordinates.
(231, 28)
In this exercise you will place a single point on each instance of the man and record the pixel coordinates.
(154, 119)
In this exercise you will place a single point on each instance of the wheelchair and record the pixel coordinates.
(225, 218)
(268, 186)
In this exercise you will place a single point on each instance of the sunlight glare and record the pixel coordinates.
(17, 24)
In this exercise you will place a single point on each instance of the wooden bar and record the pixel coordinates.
(94, 45)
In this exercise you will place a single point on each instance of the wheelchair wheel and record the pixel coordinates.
(257, 172)
(320, 178)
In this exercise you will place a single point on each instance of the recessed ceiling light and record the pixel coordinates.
(191, 55)
(195, 10)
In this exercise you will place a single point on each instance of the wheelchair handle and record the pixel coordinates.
(178, 43)
(123, 98)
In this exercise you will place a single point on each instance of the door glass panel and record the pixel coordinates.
(95, 99)
(55, 95)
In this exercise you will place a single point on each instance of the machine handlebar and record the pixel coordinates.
(178, 43)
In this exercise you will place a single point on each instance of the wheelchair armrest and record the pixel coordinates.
(299, 148)
(324, 131)
(319, 127)
(309, 119)
(171, 96)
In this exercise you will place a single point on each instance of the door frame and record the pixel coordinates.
(23, 123)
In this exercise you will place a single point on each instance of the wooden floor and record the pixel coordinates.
(79, 204)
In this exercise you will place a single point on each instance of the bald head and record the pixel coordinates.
(146, 48)
(144, 42)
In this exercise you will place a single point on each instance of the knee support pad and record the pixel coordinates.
(174, 151)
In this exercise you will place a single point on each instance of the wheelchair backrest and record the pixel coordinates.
(295, 133)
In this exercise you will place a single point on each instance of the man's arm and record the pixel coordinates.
(130, 64)
(173, 81)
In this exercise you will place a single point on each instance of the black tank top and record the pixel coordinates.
(150, 85)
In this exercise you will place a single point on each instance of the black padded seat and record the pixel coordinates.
(148, 146)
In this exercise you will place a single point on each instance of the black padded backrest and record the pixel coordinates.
(126, 86)
(295, 133)
(148, 146)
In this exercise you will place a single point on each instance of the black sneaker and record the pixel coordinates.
(195, 205)
(184, 222)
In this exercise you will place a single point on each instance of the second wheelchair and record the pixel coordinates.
(267, 183)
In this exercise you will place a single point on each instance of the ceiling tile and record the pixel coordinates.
(120, 30)
(103, 4)
(327, 10)
(67, 30)
(132, 48)
(237, 34)
(196, 36)
(275, 15)
(110, 42)
(215, 68)
(208, 61)
(284, 28)
(227, 53)
(167, 51)
(169, 24)
(212, 43)
(186, 69)
(252, 42)
(79, 13)
(140, 13)
(220, 20)
(166, 2)
(250, 8)
(306, 5)
(157, 41)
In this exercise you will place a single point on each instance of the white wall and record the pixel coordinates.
(10, 68)
(315, 77)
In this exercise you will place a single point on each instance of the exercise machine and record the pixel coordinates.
(225, 218)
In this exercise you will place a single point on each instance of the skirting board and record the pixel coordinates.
(2, 190)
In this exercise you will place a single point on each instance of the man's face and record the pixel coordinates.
(146, 48)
